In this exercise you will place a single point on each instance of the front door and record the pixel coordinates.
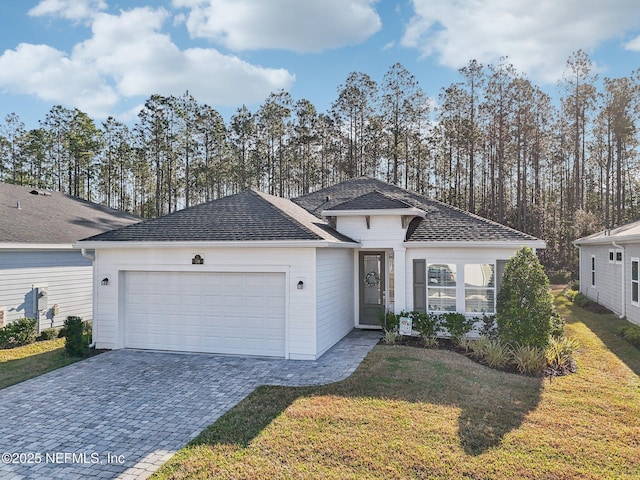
(372, 306)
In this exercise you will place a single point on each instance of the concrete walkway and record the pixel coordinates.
(124, 413)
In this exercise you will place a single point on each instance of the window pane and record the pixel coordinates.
(442, 299)
(479, 300)
(634, 270)
(634, 292)
(479, 275)
(618, 256)
(441, 275)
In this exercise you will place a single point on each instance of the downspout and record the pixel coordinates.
(83, 252)
(623, 289)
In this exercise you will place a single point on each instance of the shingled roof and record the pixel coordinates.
(371, 201)
(245, 216)
(442, 223)
(33, 216)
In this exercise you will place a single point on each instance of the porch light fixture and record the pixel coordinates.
(300, 285)
(105, 281)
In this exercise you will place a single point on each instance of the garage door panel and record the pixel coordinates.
(238, 313)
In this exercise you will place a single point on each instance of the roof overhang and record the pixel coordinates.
(412, 211)
(35, 246)
(96, 245)
(477, 244)
(607, 240)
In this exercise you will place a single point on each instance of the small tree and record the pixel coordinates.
(74, 339)
(524, 308)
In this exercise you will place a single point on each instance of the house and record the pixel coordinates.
(255, 274)
(609, 269)
(41, 274)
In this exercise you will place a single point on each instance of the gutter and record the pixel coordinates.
(83, 252)
(623, 289)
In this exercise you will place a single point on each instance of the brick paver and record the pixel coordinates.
(122, 414)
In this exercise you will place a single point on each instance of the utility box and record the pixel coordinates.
(40, 299)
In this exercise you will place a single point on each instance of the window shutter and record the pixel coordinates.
(420, 285)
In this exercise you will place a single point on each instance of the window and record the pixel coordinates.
(615, 256)
(441, 287)
(634, 280)
(479, 288)
(593, 270)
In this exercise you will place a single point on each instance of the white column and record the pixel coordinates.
(400, 277)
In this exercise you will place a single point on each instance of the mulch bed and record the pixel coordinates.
(447, 344)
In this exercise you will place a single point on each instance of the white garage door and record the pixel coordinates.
(237, 313)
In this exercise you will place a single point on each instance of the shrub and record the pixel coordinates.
(48, 334)
(74, 339)
(524, 304)
(479, 347)
(631, 334)
(389, 321)
(581, 300)
(19, 332)
(426, 324)
(528, 359)
(496, 353)
(390, 337)
(559, 353)
(571, 295)
(457, 325)
(489, 328)
(559, 277)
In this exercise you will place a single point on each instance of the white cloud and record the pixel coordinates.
(128, 56)
(70, 9)
(538, 37)
(300, 26)
(633, 45)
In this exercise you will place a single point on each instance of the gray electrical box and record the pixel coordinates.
(40, 299)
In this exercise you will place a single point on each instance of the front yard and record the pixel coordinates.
(413, 413)
(22, 363)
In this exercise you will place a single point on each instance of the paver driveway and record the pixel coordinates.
(124, 413)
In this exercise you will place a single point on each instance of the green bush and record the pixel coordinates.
(457, 325)
(559, 353)
(489, 328)
(571, 295)
(19, 332)
(524, 307)
(74, 344)
(426, 324)
(496, 354)
(389, 321)
(479, 347)
(529, 360)
(631, 334)
(48, 334)
(581, 300)
(559, 277)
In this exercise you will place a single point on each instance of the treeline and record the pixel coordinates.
(492, 143)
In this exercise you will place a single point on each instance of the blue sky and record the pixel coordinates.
(107, 57)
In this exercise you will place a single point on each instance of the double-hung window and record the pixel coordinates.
(441, 287)
(593, 270)
(479, 288)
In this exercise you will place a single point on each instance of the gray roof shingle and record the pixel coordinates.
(371, 201)
(441, 223)
(245, 216)
(51, 217)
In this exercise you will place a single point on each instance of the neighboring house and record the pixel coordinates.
(255, 274)
(609, 263)
(41, 274)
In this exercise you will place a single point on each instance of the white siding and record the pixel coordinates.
(296, 263)
(66, 275)
(632, 311)
(608, 288)
(335, 294)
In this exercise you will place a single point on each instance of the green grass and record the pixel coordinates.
(22, 363)
(412, 413)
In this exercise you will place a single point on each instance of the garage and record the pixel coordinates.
(213, 312)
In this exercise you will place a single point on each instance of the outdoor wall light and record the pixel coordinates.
(105, 281)
(300, 285)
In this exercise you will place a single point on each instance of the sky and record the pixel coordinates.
(106, 57)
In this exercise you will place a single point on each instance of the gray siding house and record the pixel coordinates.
(41, 274)
(609, 264)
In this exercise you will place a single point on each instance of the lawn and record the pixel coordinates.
(412, 413)
(21, 363)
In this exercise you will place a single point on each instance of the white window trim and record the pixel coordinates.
(592, 270)
(637, 260)
(613, 256)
